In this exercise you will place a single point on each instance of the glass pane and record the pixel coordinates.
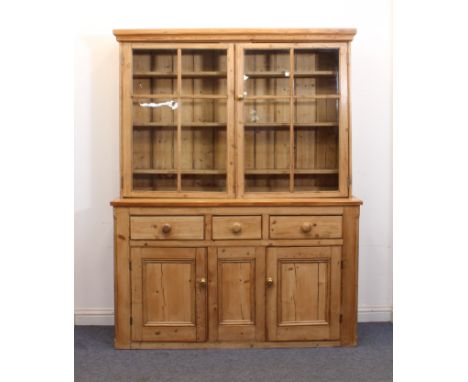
(154, 182)
(267, 183)
(316, 158)
(196, 61)
(266, 112)
(328, 182)
(315, 72)
(154, 72)
(203, 159)
(203, 111)
(203, 182)
(204, 72)
(266, 158)
(316, 111)
(267, 72)
(154, 145)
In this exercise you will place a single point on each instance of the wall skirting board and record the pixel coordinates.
(91, 316)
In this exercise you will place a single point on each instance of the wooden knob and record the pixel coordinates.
(269, 281)
(236, 227)
(166, 228)
(306, 227)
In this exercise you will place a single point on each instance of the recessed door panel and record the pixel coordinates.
(168, 294)
(303, 297)
(237, 294)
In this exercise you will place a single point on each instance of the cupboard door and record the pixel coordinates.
(168, 294)
(238, 294)
(303, 293)
(182, 120)
(292, 119)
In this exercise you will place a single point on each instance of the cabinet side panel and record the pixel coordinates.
(350, 276)
(126, 119)
(121, 278)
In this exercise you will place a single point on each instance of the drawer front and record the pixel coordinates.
(237, 227)
(167, 228)
(305, 227)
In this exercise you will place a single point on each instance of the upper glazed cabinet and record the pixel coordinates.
(235, 120)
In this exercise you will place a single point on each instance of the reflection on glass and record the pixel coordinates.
(266, 111)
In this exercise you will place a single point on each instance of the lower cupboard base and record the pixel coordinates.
(232, 345)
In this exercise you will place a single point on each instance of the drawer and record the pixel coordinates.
(305, 227)
(237, 227)
(167, 228)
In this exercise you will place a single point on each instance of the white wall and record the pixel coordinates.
(96, 125)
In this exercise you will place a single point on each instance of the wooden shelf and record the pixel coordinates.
(287, 97)
(285, 171)
(286, 124)
(318, 171)
(203, 124)
(203, 74)
(139, 97)
(143, 125)
(151, 74)
(151, 171)
(267, 124)
(154, 74)
(318, 73)
(321, 73)
(267, 171)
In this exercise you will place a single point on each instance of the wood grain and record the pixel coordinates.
(226, 227)
(153, 227)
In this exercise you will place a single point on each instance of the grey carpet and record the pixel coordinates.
(371, 360)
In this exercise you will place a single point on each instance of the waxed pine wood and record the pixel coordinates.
(236, 226)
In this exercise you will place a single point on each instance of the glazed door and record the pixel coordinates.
(292, 119)
(303, 293)
(237, 294)
(181, 120)
(168, 294)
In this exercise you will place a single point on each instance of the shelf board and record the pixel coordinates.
(143, 125)
(204, 124)
(318, 73)
(266, 124)
(264, 97)
(267, 171)
(175, 96)
(275, 171)
(317, 124)
(204, 74)
(317, 171)
(286, 124)
(152, 171)
(152, 74)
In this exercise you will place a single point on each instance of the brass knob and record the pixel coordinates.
(236, 227)
(306, 227)
(166, 228)
(202, 282)
(240, 97)
(269, 281)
